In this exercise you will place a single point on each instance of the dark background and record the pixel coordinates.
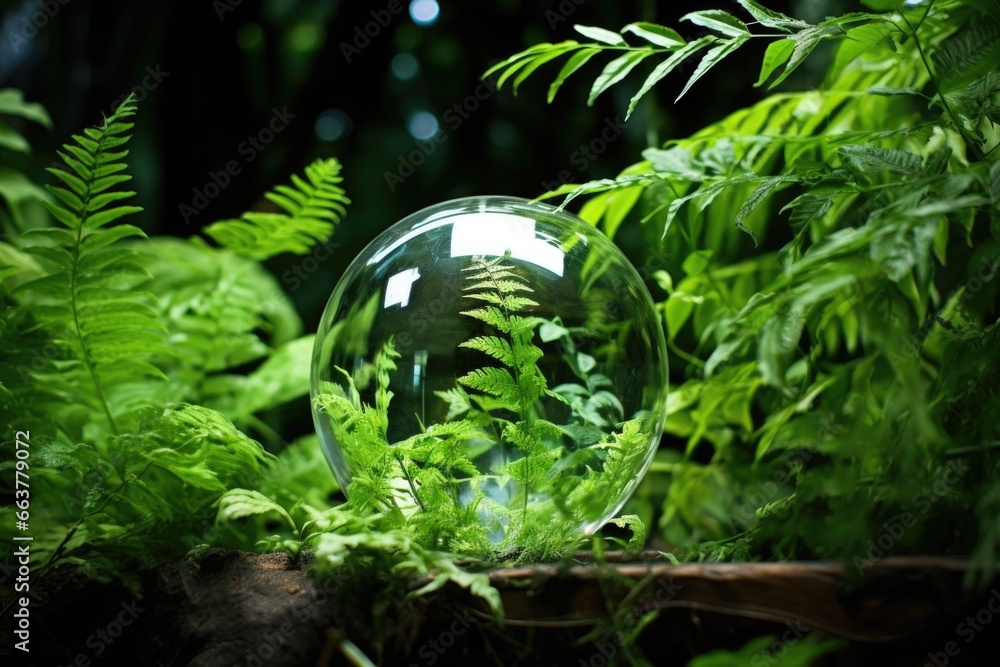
(225, 66)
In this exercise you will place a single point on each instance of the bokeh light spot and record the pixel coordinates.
(404, 66)
(424, 12)
(422, 125)
(332, 124)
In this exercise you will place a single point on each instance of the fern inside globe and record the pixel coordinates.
(491, 373)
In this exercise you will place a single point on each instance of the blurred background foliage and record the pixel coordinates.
(214, 73)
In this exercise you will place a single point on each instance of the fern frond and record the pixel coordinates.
(505, 301)
(500, 285)
(312, 208)
(519, 388)
(502, 350)
(88, 300)
(221, 310)
(726, 33)
(384, 365)
(491, 315)
(968, 54)
(496, 382)
(457, 400)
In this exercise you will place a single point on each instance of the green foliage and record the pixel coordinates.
(496, 480)
(341, 539)
(840, 352)
(795, 40)
(12, 104)
(832, 290)
(312, 208)
(110, 341)
(108, 344)
(798, 652)
(87, 302)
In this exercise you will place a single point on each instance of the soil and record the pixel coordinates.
(229, 609)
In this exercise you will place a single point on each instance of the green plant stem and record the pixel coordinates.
(930, 74)
(520, 393)
(69, 534)
(409, 480)
(690, 358)
(88, 362)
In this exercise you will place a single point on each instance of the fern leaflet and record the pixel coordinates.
(523, 384)
(312, 207)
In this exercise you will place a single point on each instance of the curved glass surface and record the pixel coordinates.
(493, 359)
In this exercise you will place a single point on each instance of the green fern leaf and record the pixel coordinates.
(666, 67)
(516, 389)
(503, 351)
(497, 382)
(575, 62)
(600, 34)
(312, 207)
(508, 303)
(457, 400)
(770, 18)
(501, 286)
(657, 35)
(88, 300)
(712, 58)
(968, 54)
(384, 365)
(491, 315)
(866, 160)
(616, 70)
(718, 20)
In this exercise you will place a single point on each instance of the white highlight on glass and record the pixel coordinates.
(493, 234)
(398, 287)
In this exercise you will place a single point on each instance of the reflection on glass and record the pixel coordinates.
(419, 374)
(489, 234)
(397, 290)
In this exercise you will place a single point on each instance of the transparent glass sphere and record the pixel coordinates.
(494, 368)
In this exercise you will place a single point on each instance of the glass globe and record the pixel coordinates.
(492, 370)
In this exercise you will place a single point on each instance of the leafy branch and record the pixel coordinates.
(796, 39)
